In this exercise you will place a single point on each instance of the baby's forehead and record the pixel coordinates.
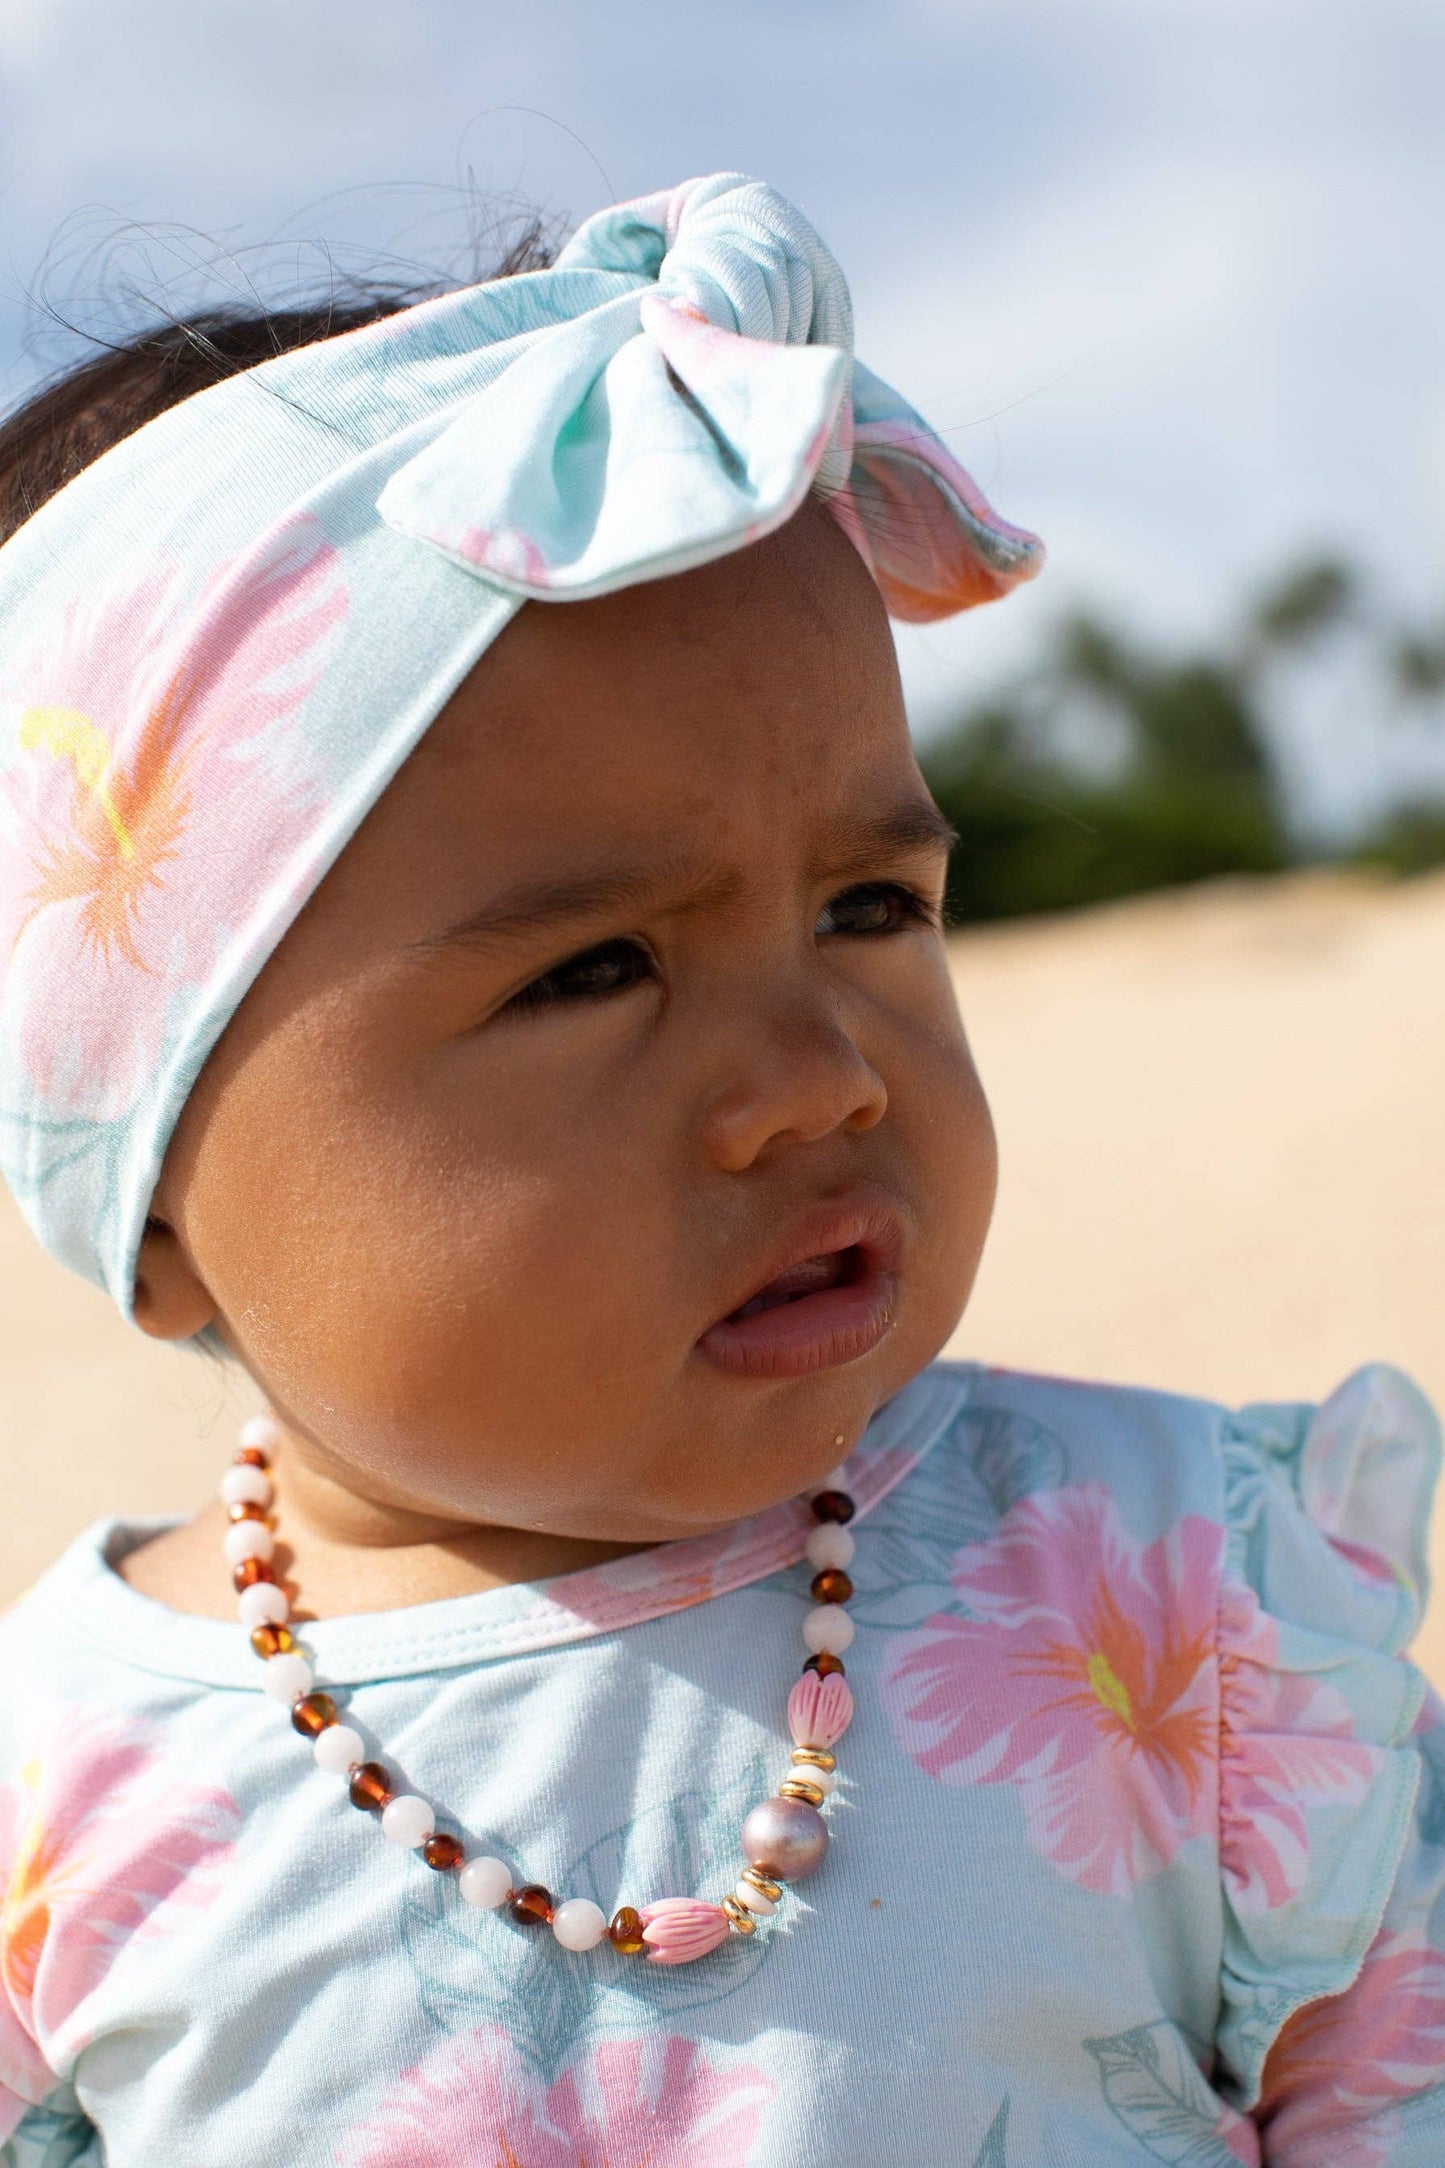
(789, 604)
(679, 708)
(602, 755)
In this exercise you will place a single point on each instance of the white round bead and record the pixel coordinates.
(486, 1882)
(262, 1430)
(830, 1545)
(338, 1749)
(408, 1820)
(287, 1678)
(810, 1773)
(246, 1486)
(755, 1900)
(579, 1924)
(247, 1539)
(264, 1604)
(828, 1630)
(838, 1480)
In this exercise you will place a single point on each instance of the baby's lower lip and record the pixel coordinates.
(820, 1331)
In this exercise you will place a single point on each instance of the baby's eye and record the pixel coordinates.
(876, 907)
(591, 975)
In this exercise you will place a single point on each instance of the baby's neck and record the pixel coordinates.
(340, 1552)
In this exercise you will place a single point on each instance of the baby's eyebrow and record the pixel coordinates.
(534, 906)
(914, 824)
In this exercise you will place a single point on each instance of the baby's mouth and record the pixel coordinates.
(829, 1305)
(813, 1276)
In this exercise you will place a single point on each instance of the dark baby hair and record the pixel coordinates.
(83, 411)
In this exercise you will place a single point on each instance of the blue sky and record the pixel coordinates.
(1166, 271)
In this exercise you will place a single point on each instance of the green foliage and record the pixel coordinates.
(1194, 793)
(1018, 853)
(1305, 601)
(1420, 664)
(1412, 844)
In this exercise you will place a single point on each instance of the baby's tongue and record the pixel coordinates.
(808, 1278)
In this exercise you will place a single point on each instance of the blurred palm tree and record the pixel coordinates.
(1107, 768)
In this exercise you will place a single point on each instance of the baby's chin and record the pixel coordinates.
(709, 1477)
(730, 1444)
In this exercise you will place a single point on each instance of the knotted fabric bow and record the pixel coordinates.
(220, 641)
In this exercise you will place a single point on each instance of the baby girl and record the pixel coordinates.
(472, 945)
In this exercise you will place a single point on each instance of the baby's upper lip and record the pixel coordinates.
(866, 1219)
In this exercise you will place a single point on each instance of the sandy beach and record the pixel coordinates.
(1223, 1172)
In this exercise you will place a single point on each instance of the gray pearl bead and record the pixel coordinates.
(785, 1838)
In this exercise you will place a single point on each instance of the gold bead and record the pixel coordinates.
(739, 1918)
(814, 1757)
(756, 1879)
(795, 1788)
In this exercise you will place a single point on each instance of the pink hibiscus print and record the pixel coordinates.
(150, 776)
(1341, 2065)
(1239, 2137)
(656, 2103)
(1285, 1746)
(1088, 1676)
(1085, 1677)
(100, 1841)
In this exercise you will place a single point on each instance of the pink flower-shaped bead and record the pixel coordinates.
(678, 1929)
(819, 1709)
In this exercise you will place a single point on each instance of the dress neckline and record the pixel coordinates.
(87, 1592)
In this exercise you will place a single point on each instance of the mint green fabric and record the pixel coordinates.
(1138, 1843)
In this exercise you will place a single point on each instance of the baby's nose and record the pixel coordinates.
(802, 1080)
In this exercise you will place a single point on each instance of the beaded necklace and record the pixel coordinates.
(783, 1839)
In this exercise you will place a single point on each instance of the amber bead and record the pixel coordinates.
(625, 1933)
(832, 1585)
(247, 1511)
(531, 1906)
(827, 1665)
(250, 1456)
(443, 1851)
(370, 1785)
(272, 1640)
(833, 1505)
(313, 1713)
(249, 1572)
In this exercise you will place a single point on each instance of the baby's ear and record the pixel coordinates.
(171, 1302)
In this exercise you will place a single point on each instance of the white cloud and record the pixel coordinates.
(1184, 367)
(22, 30)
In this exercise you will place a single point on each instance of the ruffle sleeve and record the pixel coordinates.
(1322, 1845)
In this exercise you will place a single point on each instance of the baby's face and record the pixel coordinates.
(628, 998)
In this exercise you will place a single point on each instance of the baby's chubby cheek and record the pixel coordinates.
(947, 1142)
(624, 1255)
(499, 1318)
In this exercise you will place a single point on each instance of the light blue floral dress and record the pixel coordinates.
(1138, 1844)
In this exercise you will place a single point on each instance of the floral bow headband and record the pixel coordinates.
(220, 641)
